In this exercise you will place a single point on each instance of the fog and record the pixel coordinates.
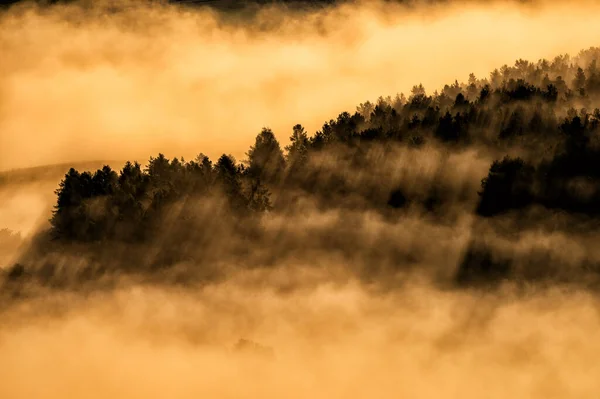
(79, 84)
(349, 300)
(328, 342)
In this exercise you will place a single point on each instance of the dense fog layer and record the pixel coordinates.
(325, 342)
(429, 245)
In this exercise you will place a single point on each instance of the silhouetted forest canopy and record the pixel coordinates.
(540, 120)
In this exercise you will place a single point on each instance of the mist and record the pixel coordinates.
(327, 342)
(78, 84)
(394, 252)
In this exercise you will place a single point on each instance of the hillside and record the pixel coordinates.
(503, 159)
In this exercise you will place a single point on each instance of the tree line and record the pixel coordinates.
(540, 108)
(539, 121)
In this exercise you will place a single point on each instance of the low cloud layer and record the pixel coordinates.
(80, 84)
(328, 342)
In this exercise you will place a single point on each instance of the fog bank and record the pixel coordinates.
(328, 342)
(82, 84)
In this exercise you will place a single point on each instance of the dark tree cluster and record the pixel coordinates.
(568, 181)
(540, 121)
(526, 106)
(127, 205)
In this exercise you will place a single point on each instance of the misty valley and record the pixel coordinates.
(352, 190)
(438, 243)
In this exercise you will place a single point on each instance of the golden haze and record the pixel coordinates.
(83, 85)
(79, 84)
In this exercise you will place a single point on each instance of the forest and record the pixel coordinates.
(299, 199)
(539, 120)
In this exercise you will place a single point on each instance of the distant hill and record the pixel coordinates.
(49, 172)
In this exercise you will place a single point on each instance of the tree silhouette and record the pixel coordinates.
(579, 81)
(265, 158)
(508, 185)
(297, 150)
(228, 178)
(518, 109)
